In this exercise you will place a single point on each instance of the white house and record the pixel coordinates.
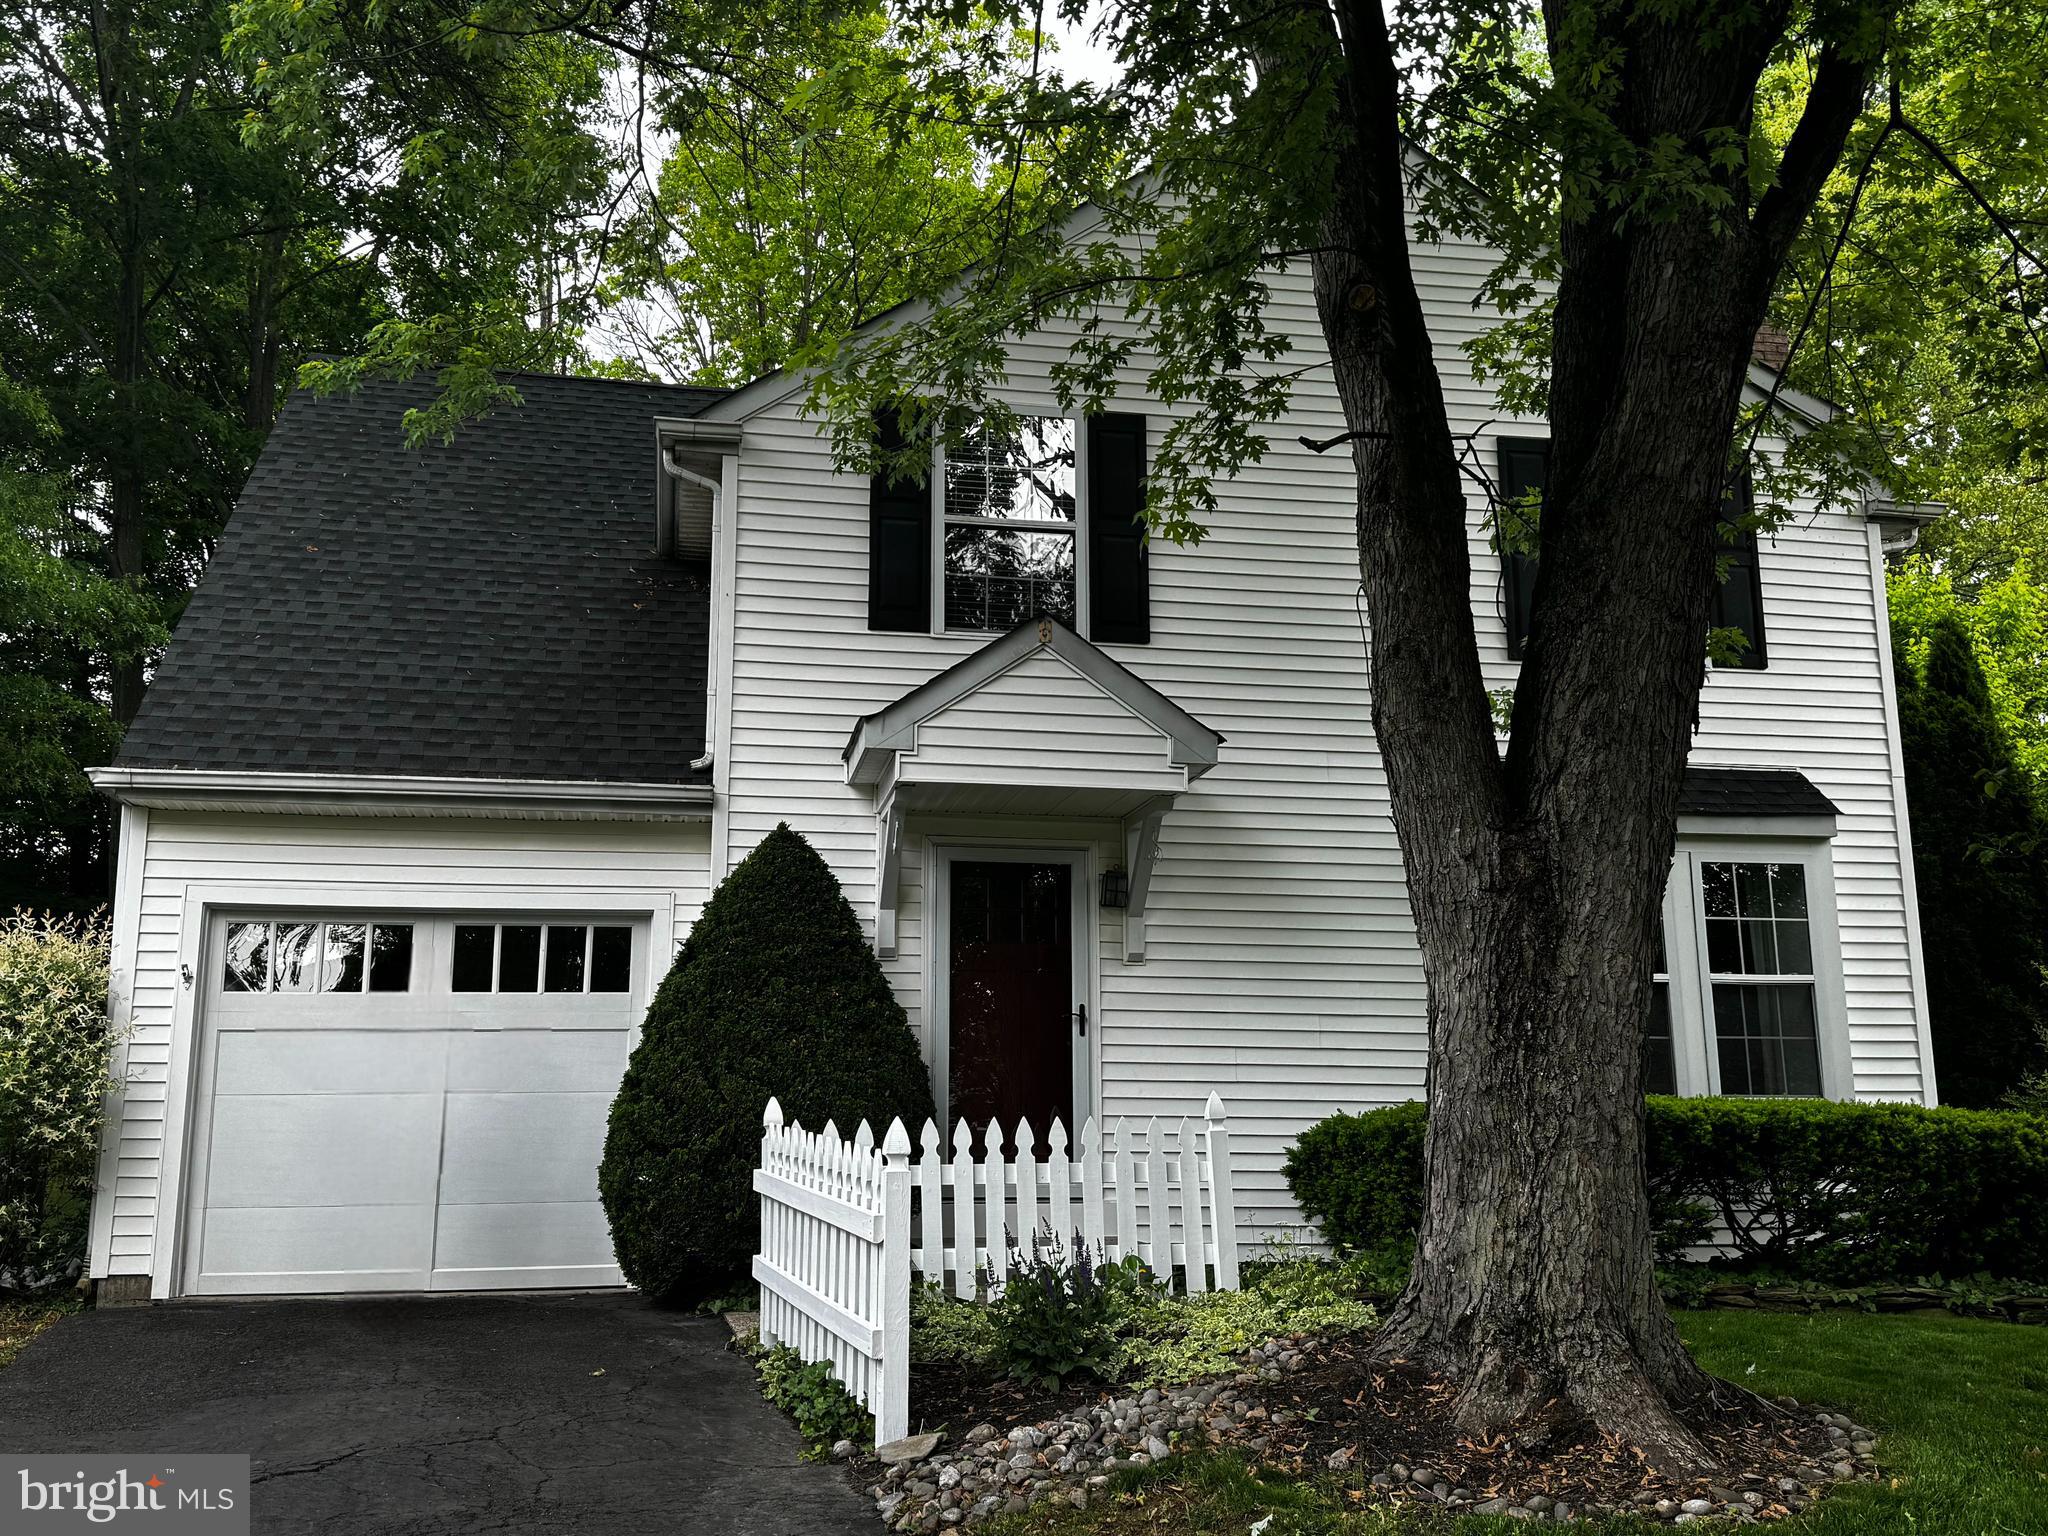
(452, 745)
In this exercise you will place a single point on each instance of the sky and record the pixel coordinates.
(1080, 56)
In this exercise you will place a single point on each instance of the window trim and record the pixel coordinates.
(1695, 1057)
(1079, 529)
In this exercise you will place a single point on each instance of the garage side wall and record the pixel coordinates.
(174, 859)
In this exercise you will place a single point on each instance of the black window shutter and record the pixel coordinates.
(1524, 466)
(1739, 600)
(899, 541)
(1119, 599)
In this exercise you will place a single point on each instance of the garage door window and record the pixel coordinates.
(542, 957)
(318, 957)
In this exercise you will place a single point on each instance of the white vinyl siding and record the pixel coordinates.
(401, 864)
(1280, 964)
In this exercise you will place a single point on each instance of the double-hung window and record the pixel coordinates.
(1747, 996)
(1761, 975)
(1024, 517)
(1011, 532)
(1738, 604)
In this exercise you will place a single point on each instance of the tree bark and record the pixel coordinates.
(1535, 879)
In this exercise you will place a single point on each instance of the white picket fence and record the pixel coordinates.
(844, 1224)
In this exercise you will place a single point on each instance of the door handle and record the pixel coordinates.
(1081, 1018)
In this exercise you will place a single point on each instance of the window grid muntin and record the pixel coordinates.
(1059, 502)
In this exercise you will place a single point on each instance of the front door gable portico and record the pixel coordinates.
(1039, 722)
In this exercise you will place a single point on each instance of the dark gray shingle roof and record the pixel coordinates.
(491, 609)
(1751, 792)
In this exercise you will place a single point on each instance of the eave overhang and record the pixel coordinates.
(330, 794)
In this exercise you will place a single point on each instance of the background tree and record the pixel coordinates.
(167, 254)
(795, 206)
(1980, 860)
(1919, 284)
(2007, 624)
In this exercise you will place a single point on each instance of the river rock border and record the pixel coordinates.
(925, 1484)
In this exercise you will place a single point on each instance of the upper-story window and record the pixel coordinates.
(1738, 599)
(1044, 516)
(1012, 540)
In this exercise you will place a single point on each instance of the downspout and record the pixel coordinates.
(705, 483)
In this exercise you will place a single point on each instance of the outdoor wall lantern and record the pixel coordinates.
(1116, 888)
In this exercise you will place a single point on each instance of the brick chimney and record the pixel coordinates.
(1772, 347)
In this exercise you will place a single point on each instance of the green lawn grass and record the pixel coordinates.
(1960, 1406)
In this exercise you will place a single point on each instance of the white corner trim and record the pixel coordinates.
(194, 789)
(129, 854)
(1902, 822)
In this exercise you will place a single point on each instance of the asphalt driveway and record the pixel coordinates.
(420, 1416)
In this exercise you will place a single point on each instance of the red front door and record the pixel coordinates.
(1011, 990)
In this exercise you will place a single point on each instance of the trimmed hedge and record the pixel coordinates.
(775, 994)
(1809, 1187)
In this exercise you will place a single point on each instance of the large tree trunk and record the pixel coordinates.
(1535, 878)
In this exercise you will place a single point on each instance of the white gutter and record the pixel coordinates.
(191, 789)
(717, 492)
(1899, 522)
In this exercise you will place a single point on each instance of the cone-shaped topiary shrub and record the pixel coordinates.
(775, 993)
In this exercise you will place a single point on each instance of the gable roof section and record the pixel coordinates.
(487, 610)
(1190, 745)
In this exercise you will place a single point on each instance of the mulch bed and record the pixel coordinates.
(948, 1395)
(1314, 1407)
(1394, 1416)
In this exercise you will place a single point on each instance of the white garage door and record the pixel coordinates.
(411, 1103)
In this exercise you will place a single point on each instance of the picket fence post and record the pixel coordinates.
(771, 1145)
(1222, 1193)
(892, 1412)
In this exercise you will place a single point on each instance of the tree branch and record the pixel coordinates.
(1840, 91)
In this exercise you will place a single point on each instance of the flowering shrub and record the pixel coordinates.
(55, 1045)
(1059, 1313)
